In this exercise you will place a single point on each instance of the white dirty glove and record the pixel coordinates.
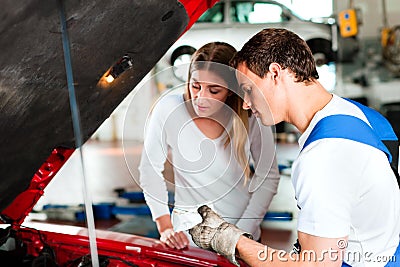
(213, 233)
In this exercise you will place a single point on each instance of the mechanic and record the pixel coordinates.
(205, 128)
(346, 190)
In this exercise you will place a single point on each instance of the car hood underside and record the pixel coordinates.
(34, 96)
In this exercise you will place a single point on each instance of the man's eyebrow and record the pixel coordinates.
(243, 85)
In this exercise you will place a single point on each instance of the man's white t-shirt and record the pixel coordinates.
(205, 170)
(346, 188)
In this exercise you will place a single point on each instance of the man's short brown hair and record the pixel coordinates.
(280, 46)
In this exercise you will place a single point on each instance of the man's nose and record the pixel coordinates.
(246, 106)
(246, 103)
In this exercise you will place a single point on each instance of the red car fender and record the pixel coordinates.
(195, 9)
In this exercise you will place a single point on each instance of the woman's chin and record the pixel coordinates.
(202, 113)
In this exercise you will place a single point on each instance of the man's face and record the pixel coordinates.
(257, 94)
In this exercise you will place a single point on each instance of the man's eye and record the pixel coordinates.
(246, 89)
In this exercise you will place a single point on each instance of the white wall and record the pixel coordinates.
(128, 120)
(310, 8)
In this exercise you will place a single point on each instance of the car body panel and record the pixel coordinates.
(23, 204)
(240, 34)
(305, 28)
(118, 247)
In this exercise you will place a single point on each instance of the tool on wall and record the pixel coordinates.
(348, 21)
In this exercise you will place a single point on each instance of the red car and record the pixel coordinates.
(82, 58)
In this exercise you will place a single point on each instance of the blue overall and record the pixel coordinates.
(353, 128)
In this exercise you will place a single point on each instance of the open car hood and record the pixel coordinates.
(36, 129)
(36, 126)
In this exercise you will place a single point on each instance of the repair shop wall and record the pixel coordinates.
(128, 120)
(372, 15)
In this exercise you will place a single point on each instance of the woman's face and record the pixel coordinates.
(208, 92)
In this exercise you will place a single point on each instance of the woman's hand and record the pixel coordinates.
(168, 236)
(174, 239)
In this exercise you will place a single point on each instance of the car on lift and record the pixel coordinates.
(235, 21)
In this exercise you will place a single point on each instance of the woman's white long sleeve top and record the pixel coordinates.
(205, 170)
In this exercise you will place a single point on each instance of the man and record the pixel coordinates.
(347, 193)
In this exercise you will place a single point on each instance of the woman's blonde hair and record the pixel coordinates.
(222, 53)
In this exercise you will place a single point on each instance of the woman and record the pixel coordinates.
(211, 140)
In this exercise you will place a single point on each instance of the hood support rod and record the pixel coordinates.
(78, 133)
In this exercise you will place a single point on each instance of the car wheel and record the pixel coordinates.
(180, 60)
(321, 50)
(320, 59)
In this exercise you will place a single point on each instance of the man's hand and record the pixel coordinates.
(213, 233)
(210, 218)
(174, 239)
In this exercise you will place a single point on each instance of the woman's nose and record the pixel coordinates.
(201, 93)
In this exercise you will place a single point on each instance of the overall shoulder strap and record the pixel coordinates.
(346, 127)
(384, 131)
(378, 122)
(380, 136)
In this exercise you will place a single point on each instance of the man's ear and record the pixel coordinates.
(275, 70)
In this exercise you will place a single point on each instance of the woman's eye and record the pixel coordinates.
(196, 86)
(217, 89)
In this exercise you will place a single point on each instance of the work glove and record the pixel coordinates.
(215, 234)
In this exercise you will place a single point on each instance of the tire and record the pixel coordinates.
(180, 51)
(322, 51)
(182, 55)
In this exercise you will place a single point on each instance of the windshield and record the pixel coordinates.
(249, 12)
(257, 12)
(214, 14)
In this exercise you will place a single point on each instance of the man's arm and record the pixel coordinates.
(315, 251)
